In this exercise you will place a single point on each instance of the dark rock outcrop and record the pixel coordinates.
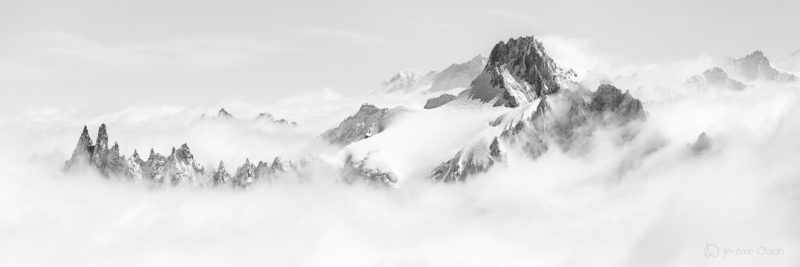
(701, 145)
(369, 120)
(439, 101)
(517, 72)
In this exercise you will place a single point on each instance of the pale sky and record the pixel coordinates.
(99, 55)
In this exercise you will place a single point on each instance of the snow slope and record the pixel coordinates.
(420, 139)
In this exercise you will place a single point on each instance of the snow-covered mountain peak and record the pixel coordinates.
(455, 76)
(404, 81)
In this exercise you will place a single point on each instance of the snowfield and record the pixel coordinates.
(418, 140)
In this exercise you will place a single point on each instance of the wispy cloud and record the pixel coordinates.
(205, 53)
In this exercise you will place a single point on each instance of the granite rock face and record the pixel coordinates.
(439, 101)
(565, 119)
(517, 72)
(83, 150)
(107, 161)
(368, 121)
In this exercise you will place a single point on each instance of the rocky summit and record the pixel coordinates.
(83, 150)
(107, 161)
(517, 72)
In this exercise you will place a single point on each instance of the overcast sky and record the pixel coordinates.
(97, 55)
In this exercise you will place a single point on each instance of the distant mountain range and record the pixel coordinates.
(264, 117)
(455, 76)
(543, 101)
(737, 72)
(541, 107)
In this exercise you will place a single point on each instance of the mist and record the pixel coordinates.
(649, 200)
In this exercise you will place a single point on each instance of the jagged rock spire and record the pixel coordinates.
(108, 162)
(245, 175)
(102, 137)
(83, 150)
(178, 168)
(99, 155)
(136, 158)
(221, 176)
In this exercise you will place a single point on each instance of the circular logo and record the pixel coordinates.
(711, 250)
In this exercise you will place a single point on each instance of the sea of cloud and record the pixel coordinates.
(649, 201)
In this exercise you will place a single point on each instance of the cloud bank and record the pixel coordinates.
(649, 201)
